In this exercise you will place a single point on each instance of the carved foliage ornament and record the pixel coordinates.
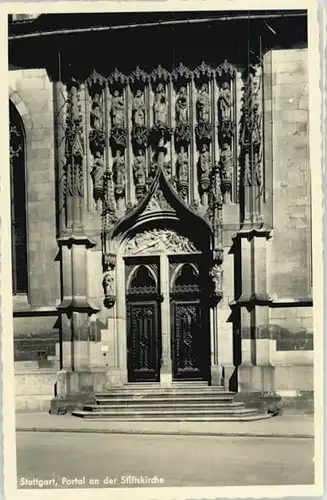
(160, 74)
(204, 71)
(182, 72)
(226, 69)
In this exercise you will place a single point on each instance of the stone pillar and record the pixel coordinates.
(75, 308)
(253, 303)
(166, 362)
(216, 372)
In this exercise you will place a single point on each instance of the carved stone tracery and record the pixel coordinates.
(74, 144)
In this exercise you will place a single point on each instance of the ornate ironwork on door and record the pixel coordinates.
(189, 335)
(143, 333)
(18, 203)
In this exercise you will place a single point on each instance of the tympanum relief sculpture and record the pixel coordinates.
(159, 240)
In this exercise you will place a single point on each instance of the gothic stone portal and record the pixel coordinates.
(167, 310)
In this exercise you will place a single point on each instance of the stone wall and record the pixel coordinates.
(36, 334)
(289, 260)
(31, 93)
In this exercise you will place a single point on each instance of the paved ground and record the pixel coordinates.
(295, 425)
(178, 460)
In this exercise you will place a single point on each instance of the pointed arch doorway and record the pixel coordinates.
(167, 310)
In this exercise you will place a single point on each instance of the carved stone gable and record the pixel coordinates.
(158, 241)
(159, 203)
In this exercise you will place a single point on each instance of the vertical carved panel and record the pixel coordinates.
(251, 133)
(251, 146)
(226, 74)
(74, 144)
(140, 129)
(182, 76)
(97, 136)
(203, 75)
(118, 137)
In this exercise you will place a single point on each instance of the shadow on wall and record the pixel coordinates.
(287, 339)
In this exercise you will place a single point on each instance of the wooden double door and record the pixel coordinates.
(150, 297)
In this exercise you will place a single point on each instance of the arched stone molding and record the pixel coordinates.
(19, 117)
(178, 270)
(22, 110)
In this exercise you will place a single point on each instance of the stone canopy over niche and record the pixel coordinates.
(157, 241)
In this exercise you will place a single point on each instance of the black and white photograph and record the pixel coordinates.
(161, 258)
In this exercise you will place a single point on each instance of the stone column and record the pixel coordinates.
(216, 373)
(253, 303)
(166, 362)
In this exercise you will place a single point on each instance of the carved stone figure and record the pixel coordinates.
(119, 173)
(217, 276)
(226, 163)
(224, 102)
(204, 160)
(139, 108)
(139, 172)
(202, 103)
(95, 114)
(204, 167)
(117, 109)
(182, 162)
(160, 104)
(97, 173)
(181, 106)
(109, 283)
(75, 109)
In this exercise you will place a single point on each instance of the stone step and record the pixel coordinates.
(173, 411)
(146, 405)
(202, 418)
(187, 383)
(163, 415)
(164, 393)
(204, 400)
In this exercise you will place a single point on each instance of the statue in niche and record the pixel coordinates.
(109, 283)
(139, 169)
(182, 163)
(217, 276)
(160, 104)
(117, 109)
(202, 104)
(226, 162)
(181, 106)
(97, 173)
(204, 160)
(224, 102)
(75, 107)
(139, 108)
(96, 118)
(119, 170)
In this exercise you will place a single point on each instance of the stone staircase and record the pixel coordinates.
(184, 401)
